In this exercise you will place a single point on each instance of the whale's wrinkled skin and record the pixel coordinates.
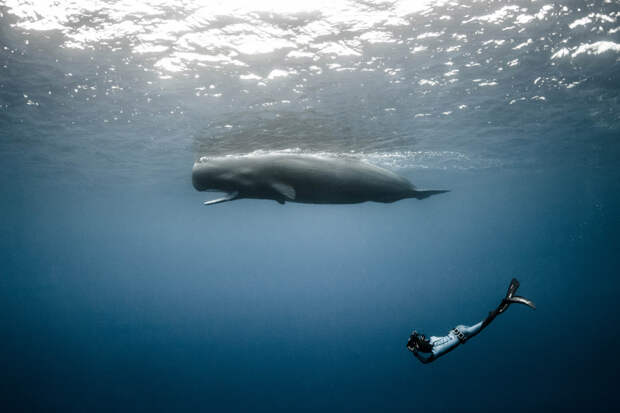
(301, 178)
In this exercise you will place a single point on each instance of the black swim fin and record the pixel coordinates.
(511, 298)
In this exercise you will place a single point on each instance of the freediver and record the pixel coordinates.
(435, 347)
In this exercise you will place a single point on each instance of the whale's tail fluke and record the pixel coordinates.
(422, 194)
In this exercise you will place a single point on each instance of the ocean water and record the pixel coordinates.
(120, 291)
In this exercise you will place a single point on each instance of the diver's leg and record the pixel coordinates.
(470, 331)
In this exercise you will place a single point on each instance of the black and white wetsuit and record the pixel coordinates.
(447, 343)
(461, 333)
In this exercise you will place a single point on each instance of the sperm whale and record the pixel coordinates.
(307, 179)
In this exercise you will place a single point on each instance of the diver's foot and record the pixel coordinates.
(511, 298)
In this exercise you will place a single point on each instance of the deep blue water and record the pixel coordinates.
(120, 291)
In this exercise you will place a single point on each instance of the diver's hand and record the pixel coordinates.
(411, 342)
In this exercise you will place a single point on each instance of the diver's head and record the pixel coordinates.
(419, 342)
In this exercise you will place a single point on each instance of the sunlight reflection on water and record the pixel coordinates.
(488, 81)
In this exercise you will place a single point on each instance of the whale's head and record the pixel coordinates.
(215, 175)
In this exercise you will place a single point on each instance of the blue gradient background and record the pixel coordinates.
(141, 299)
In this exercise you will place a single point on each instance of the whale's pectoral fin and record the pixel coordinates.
(287, 191)
(229, 197)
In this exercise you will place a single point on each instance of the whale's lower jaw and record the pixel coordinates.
(422, 194)
(230, 197)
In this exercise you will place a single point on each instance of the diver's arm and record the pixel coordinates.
(424, 360)
(438, 347)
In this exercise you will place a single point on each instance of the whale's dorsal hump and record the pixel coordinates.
(285, 190)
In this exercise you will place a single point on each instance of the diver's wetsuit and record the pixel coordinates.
(438, 346)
